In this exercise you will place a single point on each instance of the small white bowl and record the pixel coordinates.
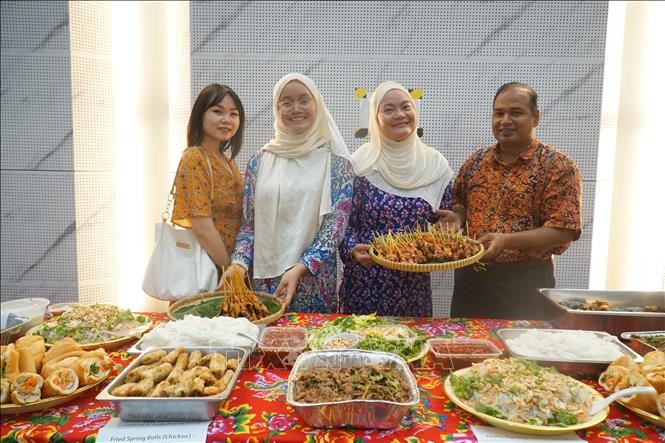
(346, 340)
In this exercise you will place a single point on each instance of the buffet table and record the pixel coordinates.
(256, 409)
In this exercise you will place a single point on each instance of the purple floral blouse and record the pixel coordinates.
(377, 289)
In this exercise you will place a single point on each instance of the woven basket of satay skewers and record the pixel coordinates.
(425, 250)
(236, 299)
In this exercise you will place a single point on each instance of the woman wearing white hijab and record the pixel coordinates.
(401, 184)
(297, 199)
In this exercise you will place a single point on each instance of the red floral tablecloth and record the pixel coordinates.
(256, 410)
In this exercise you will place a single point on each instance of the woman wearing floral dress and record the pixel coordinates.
(297, 199)
(401, 183)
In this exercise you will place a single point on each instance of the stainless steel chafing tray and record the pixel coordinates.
(614, 322)
(380, 414)
(170, 408)
(575, 367)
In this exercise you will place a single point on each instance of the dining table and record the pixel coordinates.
(257, 411)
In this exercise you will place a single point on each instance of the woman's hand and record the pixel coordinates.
(227, 273)
(447, 219)
(289, 282)
(360, 253)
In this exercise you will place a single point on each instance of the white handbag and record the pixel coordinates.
(179, 266)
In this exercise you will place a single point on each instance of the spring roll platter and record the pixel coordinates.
(136, 404)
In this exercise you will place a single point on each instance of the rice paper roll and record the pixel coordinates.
(26, 388)
(62, 381)
(6, 391)
(92, 369)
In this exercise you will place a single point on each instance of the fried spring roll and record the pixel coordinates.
(175, 375)
(198, 385)
(62, 381)
(183, 388)
(26, 388)
(205, 374)
(217, 364)
(182, 361)
(172, 356)
(160, 372)
(140, 372)
(212, 390)
(227, 377)
(153, 357)
(142, 388)
(232, 363)
(51, 366)
(161, 390)
(194, 359)
(123, 390)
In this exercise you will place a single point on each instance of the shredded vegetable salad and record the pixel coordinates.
(93, 324)
(375, 334)
(521, 391)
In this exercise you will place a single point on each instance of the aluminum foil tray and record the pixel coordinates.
(582, 367)
(378, 414)
(613, 322)
(168, 408)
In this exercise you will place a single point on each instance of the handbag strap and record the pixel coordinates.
(171, 197)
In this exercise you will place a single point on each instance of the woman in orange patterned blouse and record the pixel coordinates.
(521, 199)
(208, 186)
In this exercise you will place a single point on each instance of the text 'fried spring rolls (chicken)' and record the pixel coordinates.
(5, 391)
(62, 381)
(26, 388)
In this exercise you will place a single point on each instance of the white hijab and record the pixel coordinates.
(293, 186)
(408, 168)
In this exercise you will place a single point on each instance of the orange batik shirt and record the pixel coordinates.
(192, 194)
(542, 187)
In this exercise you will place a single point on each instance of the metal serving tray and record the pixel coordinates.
(380, 414)
(614, 322)
(579, 367)
(169, 408)
(637, 342)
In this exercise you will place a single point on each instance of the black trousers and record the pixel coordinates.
(503, 290)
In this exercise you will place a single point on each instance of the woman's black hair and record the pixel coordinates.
(207, 98)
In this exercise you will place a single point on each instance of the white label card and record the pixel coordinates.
(118, 431)
(490, 434)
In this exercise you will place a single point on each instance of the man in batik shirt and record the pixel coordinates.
(522, 199)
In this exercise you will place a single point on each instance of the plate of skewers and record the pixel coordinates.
(425, 250)
(236, 299)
